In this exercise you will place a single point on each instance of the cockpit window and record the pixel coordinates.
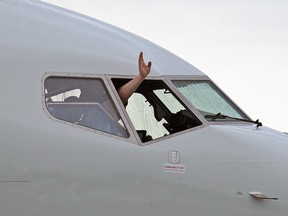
(84, 102)
(156, 112)
(209, 101)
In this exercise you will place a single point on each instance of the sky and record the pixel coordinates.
(241, 45)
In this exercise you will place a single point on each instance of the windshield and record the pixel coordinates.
(208, 99)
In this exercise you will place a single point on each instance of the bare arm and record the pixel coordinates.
(129, 88)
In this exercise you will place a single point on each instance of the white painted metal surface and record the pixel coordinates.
(50, 168)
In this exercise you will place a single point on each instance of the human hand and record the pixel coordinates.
(144, 69)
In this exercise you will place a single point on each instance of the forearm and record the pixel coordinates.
(129, 88)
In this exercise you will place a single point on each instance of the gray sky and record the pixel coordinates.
(240, 45)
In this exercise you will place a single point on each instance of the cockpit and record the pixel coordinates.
(158, 108)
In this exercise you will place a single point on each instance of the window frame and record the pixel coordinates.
(176, 93)
(130, 138)
(133, 137)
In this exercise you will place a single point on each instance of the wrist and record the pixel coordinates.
(141, 76)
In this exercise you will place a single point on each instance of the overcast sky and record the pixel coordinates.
(240, 45)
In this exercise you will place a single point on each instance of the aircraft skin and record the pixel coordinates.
(52, 167)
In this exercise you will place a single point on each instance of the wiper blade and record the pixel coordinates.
(221, 116)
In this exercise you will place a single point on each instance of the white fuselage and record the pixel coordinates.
(48, 167)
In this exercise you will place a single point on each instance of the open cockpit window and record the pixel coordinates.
(155, 111)
(83, 101)
(209, 100)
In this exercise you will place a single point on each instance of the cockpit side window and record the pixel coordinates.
(83, 101)
(155, 111)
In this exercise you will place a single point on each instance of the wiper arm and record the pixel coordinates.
(220, 116)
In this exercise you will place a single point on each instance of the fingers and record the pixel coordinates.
(149, 64)
(141, 60)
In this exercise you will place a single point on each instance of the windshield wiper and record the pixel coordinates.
(221, 116)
